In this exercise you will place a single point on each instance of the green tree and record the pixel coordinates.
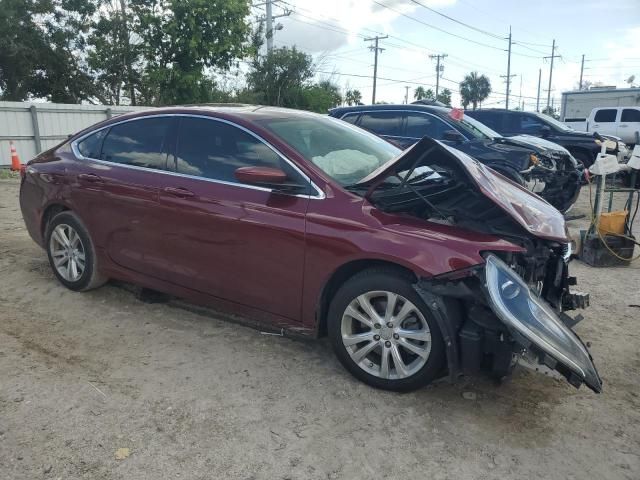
(445, 97)
(474, 89)
(115, 56)
(321, 96)
(552, 112)
(280, 77)
(181, 40)
(353, 97)
(23, 49)
(420, 93)
(43, 42)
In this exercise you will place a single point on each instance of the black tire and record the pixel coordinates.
(511, 173)
(584, 158)
(391, 280)
(90, 276)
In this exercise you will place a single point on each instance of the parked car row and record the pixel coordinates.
(542, 166)
(582, 145)
(417, 264)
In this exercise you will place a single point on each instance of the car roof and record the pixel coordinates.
(388, 106)
(497, 110)
(228, 110)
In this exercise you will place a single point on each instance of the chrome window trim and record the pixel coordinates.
(419, 112)
(74, 147)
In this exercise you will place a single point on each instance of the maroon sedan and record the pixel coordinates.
(416, 264)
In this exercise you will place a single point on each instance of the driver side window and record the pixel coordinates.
(420, 125)
(530, 125)
(213, 149)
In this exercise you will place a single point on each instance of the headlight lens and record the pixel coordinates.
(534, 319)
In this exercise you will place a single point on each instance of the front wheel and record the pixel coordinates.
(383, 333)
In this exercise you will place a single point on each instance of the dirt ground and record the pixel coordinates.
(85, 376)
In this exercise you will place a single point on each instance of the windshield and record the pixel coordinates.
(344, 152)
(552, 121)
(479, 130)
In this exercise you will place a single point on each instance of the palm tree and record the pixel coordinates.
(353, 97)
(474, 89)
(445, 97)
(420, 93)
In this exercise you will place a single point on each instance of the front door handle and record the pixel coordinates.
(178, 192)
(90, 177)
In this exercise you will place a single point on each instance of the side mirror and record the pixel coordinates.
(453, 136)
(262, 176)
(545, 131)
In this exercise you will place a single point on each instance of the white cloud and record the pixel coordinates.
(310, 25)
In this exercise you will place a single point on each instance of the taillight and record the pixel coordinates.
(23, 171)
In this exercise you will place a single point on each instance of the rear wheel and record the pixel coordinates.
(71, 253)
(383, 333)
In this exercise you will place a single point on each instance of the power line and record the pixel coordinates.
(436, 28)
(458, 21)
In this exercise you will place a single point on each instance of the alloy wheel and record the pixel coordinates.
(386, 335)
(67, 252)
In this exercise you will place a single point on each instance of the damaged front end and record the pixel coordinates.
(513, 308)
(556, 177)
(513, 305)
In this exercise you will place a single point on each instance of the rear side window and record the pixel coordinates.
(142, 143)
(630, 115)
(420, 125)
(490, 119)
(350, 118)
(605, 116)
(213, 149)
(90, 146)
(382, 123)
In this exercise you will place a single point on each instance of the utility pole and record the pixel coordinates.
(269, 31)
(520, 101)
(406, 95)
(538, 99)
(439, 69)
(269, 18)
(508, 76)
(552, 57)
(581, 71)
(376, 50)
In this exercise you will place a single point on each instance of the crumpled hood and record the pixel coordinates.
(533, 142)
(528, 210)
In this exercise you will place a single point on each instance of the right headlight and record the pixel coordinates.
(535, 320)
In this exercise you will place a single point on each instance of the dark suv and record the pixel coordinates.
(582, 145)
(543, 167)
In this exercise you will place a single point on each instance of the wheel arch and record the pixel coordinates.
(578, 150)
(49, 212)
(344, 273)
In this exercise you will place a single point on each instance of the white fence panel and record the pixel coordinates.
(35, 127)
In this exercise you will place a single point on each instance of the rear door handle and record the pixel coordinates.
(90, 177)
(178, 192)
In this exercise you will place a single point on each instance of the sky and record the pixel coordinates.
(333, 31)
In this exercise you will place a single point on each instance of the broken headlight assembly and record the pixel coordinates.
(538, 324)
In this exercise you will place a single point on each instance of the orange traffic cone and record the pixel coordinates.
(15, 160)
